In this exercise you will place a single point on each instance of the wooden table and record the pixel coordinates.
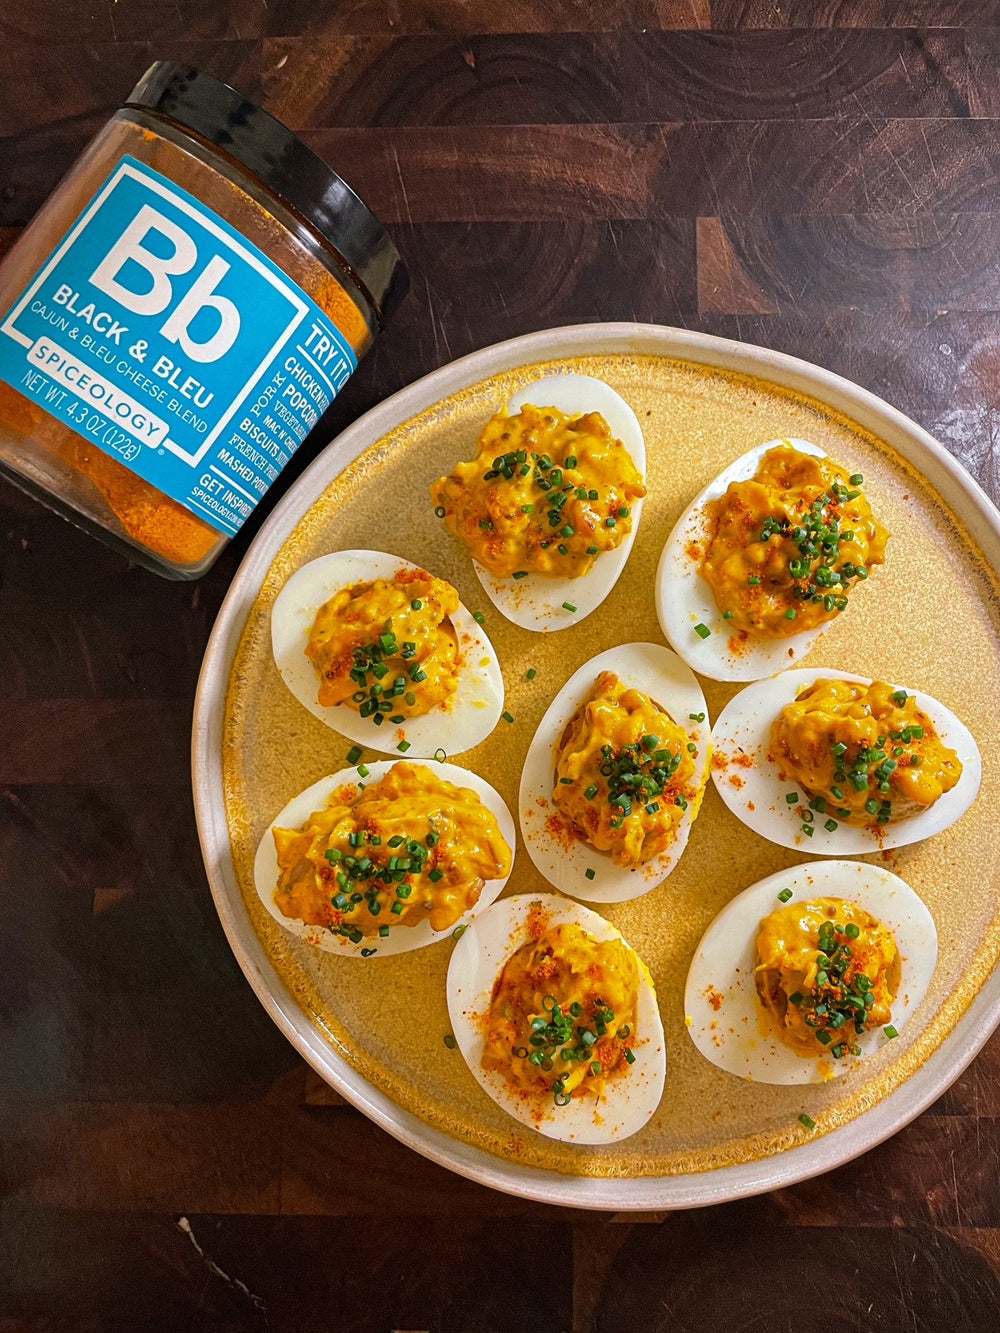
(817, 177)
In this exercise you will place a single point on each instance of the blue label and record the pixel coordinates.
(159, 333)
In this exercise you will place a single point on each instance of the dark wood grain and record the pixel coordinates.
(55, 22)
(531, 78)
(867, 14)
(817, 176)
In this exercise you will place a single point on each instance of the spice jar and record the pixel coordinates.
(178, 317)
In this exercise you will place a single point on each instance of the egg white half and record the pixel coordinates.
(564, 860)
(476, 963)
(536, 602)
(465, 720)
(724, 1017)
(750, 783)
(684, 596)
(401, 938)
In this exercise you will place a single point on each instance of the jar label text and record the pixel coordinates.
(158, 332)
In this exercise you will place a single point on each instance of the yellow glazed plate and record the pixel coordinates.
(374, 1028)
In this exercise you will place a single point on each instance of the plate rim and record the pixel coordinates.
(635, 1193)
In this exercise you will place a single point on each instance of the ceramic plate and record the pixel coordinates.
(701, 402)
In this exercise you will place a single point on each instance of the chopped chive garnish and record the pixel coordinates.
(727, 615)
(807, 1121)
(383, 932)
(507, 717)
(435, 875)
(440, 511)
(354, 754)
(590, 873)
(702, 631)
(784, 895)
(520, 573)
(792, 797)
(630, 1056)
(458, 932)
(890, 1031)
(831, 826)
(791, 613)
(416, 604)
(530, 674)
(450, 1041)
(753, 582)
(403, 746)
(479, 618)
(696, 717)
(590, 793)
(856, 479)
(440, 755)
(568, 606)
(362, 771)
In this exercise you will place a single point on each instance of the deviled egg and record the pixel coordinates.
(385, 858)
(808, 971)
(549, 507)
(615, 774)
(837, 764)
(763, 559)
(386, 654)
(557, 1019)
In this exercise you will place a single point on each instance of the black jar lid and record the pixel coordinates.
(242, 130)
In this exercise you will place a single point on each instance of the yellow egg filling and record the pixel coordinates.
(546, 494)
(409, 848)
(388, 647)
(826, 972)
(866, 753)
(624, 773)
(562, 1017)
(788, 546)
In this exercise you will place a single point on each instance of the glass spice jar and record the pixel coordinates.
(179, 315)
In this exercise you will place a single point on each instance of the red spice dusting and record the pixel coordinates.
(720, 761)
(714, 998)
(738, 642)
(736, 781)
(560, 831)
(751, 807)
(538, 921)
(744, 760)
(694, 551)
